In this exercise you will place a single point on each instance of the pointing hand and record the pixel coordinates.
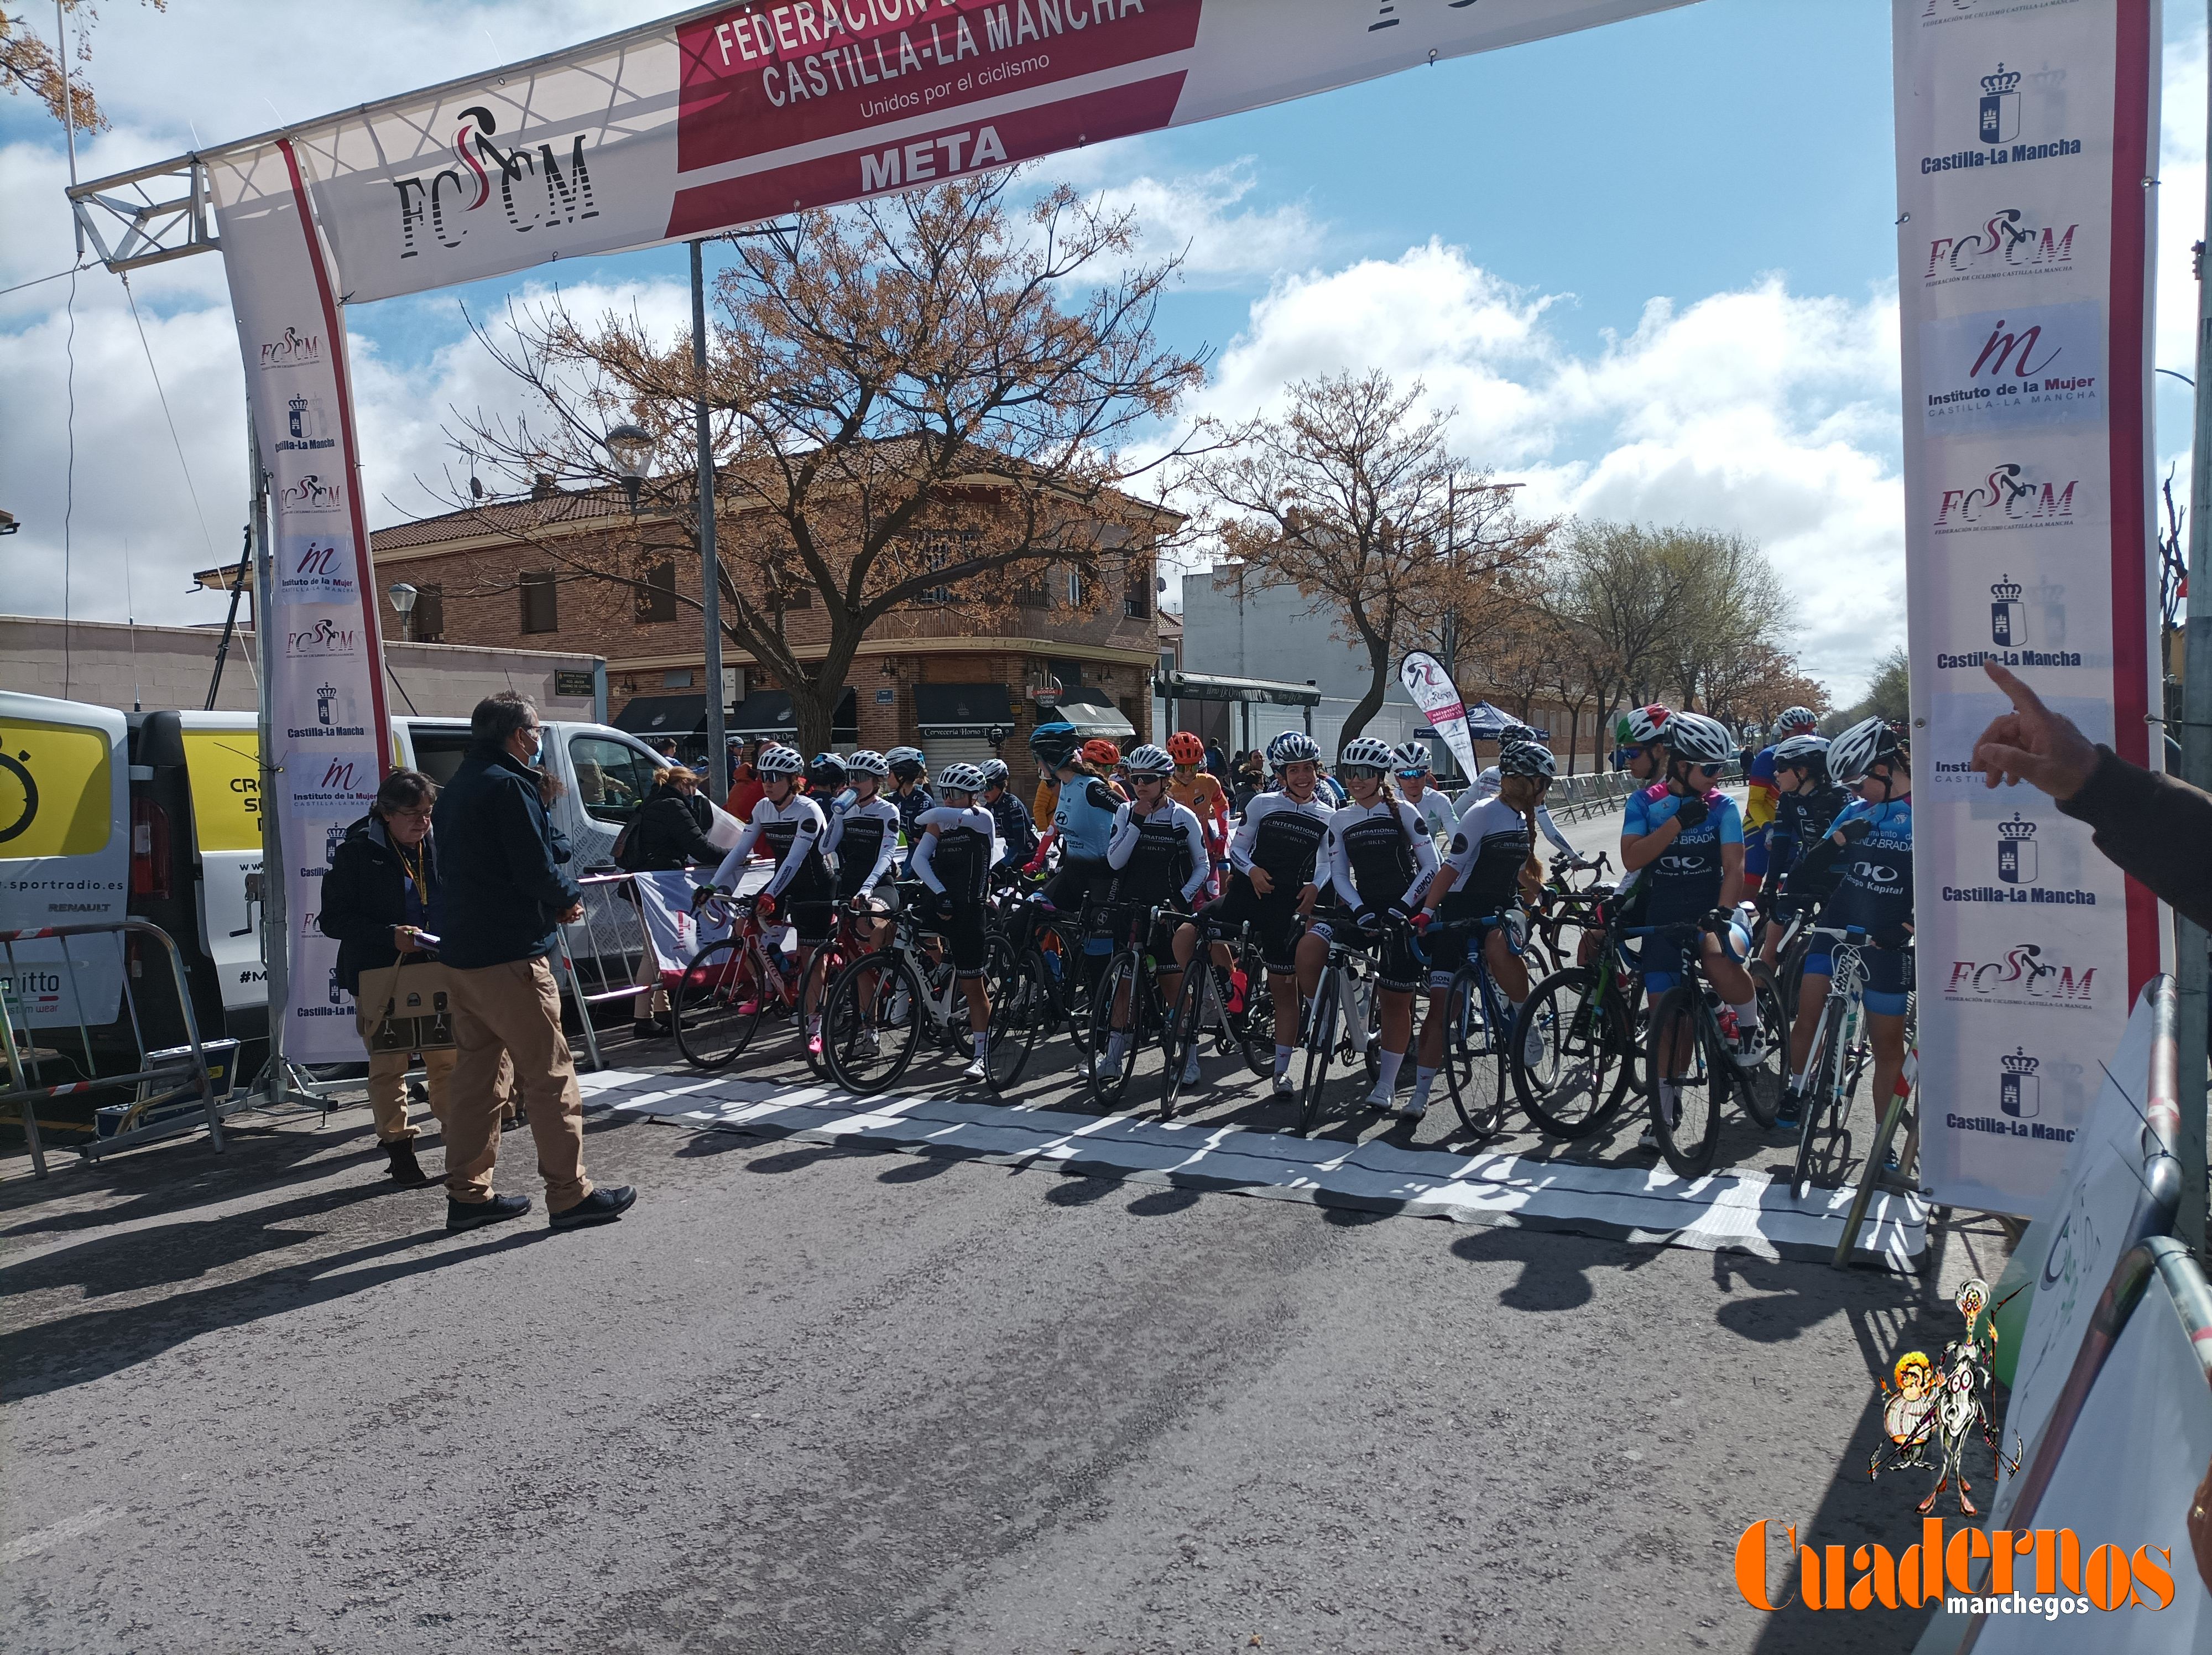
(2031, 743)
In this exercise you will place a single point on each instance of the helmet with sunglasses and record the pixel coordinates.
(995, 773)
(1149, 760)
(1802, 752)
(1366, 750)
(1527, 758)
(1793, 719)
(1056, 745)
(1292, 747)
(866, 761)
(1869, 742)
(1639, 727)
(960, 778)
(1697, 740)
(779, 760)
(825, 773)
(1187, 748)
(907, 762)
(1413, 759)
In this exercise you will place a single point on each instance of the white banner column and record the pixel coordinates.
(2027, 148)
(329, 740)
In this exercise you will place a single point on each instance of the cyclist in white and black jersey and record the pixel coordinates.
(863, 838)
(788, 826)
(1417, 783)
(956, 846)
(1271, 881)
(1380, 862)
(1490, 865)
(1159, 855)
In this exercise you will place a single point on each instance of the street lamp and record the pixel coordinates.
(631, 450)
(403, 598)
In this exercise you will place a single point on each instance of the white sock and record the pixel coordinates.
(983, 1041)
(1115, 1045)
(1282, 1061)
(1746, 1016)
(1517, 1005)
(1423, 1080)
(1386, 1072)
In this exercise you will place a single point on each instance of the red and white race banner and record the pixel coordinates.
(2026, 145)
(330, 737)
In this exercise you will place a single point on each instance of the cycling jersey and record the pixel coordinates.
(1083, 821)
(1158, 856)
(1686, 878)
(792, 833)
(1438, 815)
(956, 860)
(1486, 787)
(1281, 837)
(1202, 796)
(1015, 834)
(1759, 811)
(1801, 821)
(1378, 855)
(1490, 846)
(864, 838)
(910, 806)
(1874, 891)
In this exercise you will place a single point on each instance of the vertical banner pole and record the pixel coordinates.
(710, 568)
(2190, 941)
(275, 961)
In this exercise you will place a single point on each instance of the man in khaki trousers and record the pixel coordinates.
(502, 898)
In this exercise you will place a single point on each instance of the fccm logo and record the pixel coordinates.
(2009, 495)
(323, 638)
(293, 350)
(2023, 978)
(534, 190)
(2006, 244)
(312, 493)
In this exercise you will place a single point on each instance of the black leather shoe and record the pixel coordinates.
(602, 1205)
(474, 1214)
(406, 1172)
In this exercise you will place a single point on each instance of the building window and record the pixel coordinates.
(1072, 593)
(1137, 600)
(427, 623)
(656, 597)
(541, 602)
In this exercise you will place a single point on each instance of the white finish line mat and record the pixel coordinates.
(1746, 1211)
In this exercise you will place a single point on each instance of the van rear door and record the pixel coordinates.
(64, 856)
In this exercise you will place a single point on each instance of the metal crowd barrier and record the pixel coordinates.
(160, 1084)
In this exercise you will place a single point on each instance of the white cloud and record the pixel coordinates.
(1200, 218)
(1760, 412)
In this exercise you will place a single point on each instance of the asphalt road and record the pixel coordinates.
(808, 1399)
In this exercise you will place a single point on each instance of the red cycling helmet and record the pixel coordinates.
(1186, 749)
(1102, 752)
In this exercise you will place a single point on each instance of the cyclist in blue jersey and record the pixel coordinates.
(1807, 802)
(910, 795)
(1689, 854)
(1082, 826)
(1760, 794)
(1015, 832)
(1871, 843)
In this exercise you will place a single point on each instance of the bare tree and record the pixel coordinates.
(914, 404)
(1347, 498)
(28, 64)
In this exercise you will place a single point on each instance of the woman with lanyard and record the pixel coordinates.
(1159, 856)
(957, 846)
(790, 827)
(1380, 862)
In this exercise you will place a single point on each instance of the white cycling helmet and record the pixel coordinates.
(1697, 740)
(995, 773)
(1639, 727)
(1148, 760)
(1413, 759)
(868, 762)
(1292, 747)
(960, 778)
(1795, 718)
(1859, 749)
(1526, 758)
(1375, 755)
(906, 760)
(779, 760)
(1808, 752)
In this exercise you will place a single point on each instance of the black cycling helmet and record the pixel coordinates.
(826, 773)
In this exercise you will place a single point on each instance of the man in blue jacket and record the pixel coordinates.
(502, 897)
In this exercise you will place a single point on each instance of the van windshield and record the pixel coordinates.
(612, 777)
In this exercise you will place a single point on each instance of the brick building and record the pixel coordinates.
(931, 674)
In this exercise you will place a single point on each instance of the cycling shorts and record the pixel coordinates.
(815, 919)
(961, 925)
(1399, 970)
(1889, 976)
(1454, 943)
(1067, 889)
(1273, 919)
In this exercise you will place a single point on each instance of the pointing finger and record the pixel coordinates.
(2024, 699)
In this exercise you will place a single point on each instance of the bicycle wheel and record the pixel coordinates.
(1068, 968)
(1686, 1106)
(1474, 1057)
(1321, 1045)
(1021, 1004)
(1111, 1067)
(1583, 1067)
(1253, 1029)
(717, 1004)
(1827, 1074)
(821, 970)
(1759, 1087)
(871, 1022)
(1182, 1034)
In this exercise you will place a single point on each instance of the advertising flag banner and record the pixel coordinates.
(1438, 698)
(2026, 142)
(330, 737)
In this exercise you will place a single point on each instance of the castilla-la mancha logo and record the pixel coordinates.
(535, 190)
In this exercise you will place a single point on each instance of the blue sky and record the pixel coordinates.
(1652, 266)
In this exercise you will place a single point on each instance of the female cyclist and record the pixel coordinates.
(952, 858)
(789, 827)
(1157, 853)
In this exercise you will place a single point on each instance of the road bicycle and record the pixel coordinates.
(1693, 1068)
(1127, 1007)
(729, 984)
(1056, 941)
(883, 1007)
(1841, 1053)
(1561, 908)
(1343, 1022)
(1480, 1030)
(1573, 1079)
(1233, 1001)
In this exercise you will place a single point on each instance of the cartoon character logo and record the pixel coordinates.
(1939, 1407)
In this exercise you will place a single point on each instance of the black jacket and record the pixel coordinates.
(365, 897)
(502, 888)
(666, 836)
(2156, 827)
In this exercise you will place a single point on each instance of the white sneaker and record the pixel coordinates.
(976, 1070)
(1190, 1075)
(1283, 1088)
(864, 1044)
(1415, 1106)
(1532, 1047)
(1380, 1099)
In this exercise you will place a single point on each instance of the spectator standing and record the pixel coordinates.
(502, 898)
(745, 788)
(376, 903)
(667, 835)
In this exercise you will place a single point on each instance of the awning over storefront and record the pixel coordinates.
(963, 710)
(655, 716)
(1091, 721)
(767, 712)
(1206, 686)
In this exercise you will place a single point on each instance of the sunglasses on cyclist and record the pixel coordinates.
(1411, 775)
(1360, 772)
